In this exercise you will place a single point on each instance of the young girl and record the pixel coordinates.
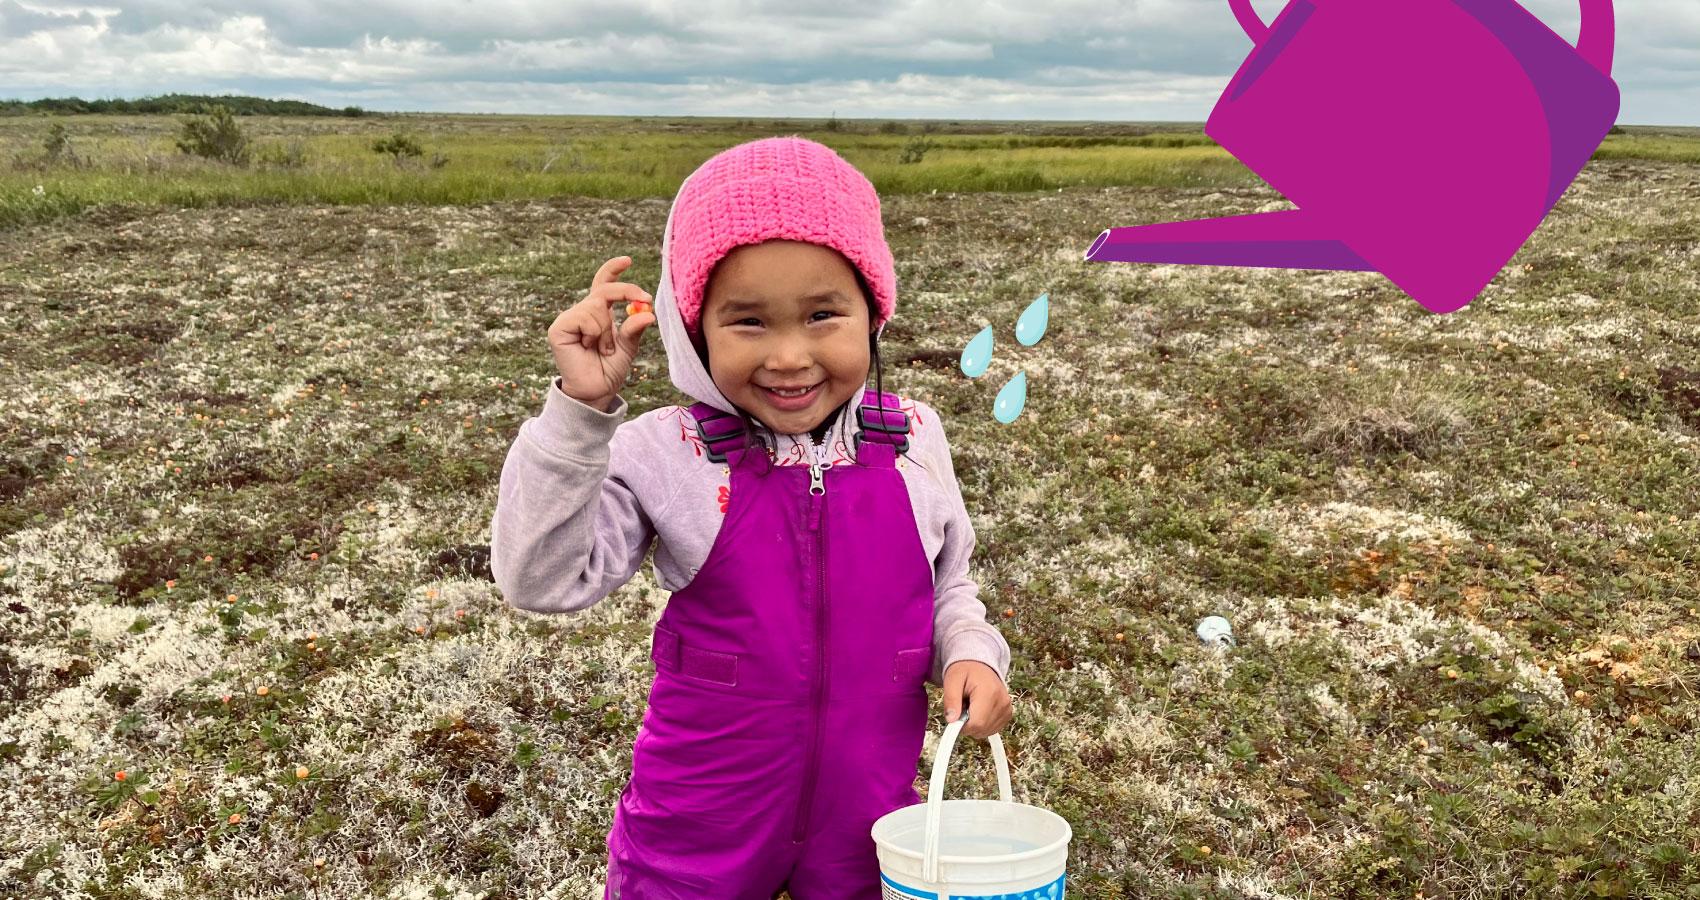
(811, 532)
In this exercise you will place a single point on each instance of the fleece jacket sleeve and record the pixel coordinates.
(568, 528)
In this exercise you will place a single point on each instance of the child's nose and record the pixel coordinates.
(790, 355)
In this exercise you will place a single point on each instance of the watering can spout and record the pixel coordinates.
(1288, 239)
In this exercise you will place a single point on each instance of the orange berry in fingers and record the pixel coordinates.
(638, 306)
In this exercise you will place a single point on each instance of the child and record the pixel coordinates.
(815, 543)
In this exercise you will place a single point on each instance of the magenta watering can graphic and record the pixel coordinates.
(1424, 139)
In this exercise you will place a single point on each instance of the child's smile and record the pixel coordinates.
(786, 325)
(793, 398)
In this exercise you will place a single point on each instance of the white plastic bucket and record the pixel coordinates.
(971, 849)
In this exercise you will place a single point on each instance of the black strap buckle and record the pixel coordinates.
(871, 418)
(715, 445)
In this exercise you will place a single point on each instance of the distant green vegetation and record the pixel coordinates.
(56, 166)
(175, 160)
(174, 103)
(1651, 146)
(215, 136)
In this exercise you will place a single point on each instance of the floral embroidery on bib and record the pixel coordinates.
(687, 427)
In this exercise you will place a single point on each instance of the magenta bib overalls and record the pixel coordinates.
(789, 705)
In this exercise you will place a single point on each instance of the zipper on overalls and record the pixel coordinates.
(817, 499)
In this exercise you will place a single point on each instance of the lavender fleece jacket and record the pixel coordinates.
(584, 493)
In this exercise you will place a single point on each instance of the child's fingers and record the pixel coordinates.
(590, 338)
(574, 328)
(609, 269)
(985, 695)
(618, 292)
(599, 333)
(1005, 712)
(631, 330)
(631, 296)
(995, 712)
(974, 707)
(955, 678)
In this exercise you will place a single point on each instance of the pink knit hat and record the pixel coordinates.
(775, 188)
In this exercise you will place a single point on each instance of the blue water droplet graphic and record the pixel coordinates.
(1031, 326)
(978, 354)
(1011, 399)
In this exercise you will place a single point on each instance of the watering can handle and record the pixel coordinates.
(1598, 38)
(935, 792)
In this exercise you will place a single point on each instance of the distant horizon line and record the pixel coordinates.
(959, 119)
(761, 117)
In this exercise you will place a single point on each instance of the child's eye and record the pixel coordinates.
(747, 322)
(824, 312)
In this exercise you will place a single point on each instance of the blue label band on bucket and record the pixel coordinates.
(891, 890)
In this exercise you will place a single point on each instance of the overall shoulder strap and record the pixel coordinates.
(719, 430)
(881, 419)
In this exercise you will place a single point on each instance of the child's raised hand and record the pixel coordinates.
(987, 699)
(593, 355)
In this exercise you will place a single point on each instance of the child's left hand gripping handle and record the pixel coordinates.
(973, 682)
(593, 355)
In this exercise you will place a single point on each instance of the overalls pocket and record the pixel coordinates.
(674, 656)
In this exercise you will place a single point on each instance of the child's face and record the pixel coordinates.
(786, 314)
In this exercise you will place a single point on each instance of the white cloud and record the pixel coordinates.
(1142, 59)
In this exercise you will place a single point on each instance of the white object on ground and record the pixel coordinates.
(1215, 631)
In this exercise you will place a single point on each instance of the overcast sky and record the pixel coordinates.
(1126, 60)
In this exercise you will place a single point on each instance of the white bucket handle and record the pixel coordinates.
(935, 792)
